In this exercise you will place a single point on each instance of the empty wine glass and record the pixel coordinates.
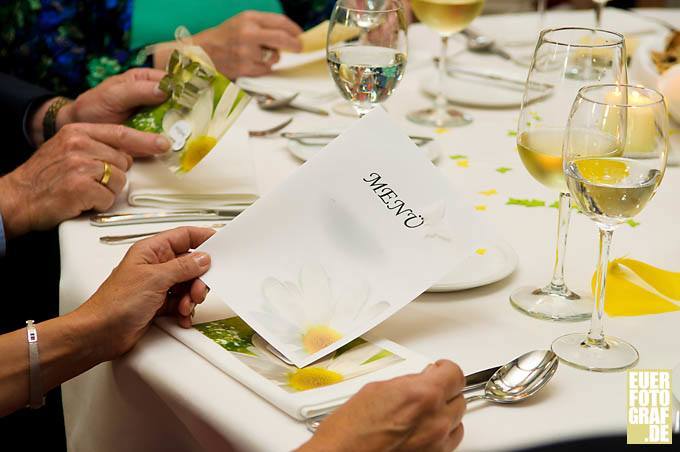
(615, 152)
(366, 50)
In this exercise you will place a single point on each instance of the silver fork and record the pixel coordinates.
(272, 131)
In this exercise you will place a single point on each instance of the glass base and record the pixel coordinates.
(545, 304)
(345, 109)
(449, 117)
(612, 355)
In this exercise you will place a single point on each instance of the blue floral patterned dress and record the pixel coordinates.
(68, 46)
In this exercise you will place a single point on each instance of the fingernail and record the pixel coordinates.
(428, 367)
(193, 309)
(162, 143)
(158, 91)
(207, 289)
(202, 259)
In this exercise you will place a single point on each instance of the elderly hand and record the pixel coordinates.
(113, 101)
(157, 276)
(248, 44)
(420, 412)
(64, 177)
(117, 98)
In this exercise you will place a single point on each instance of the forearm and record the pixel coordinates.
(14, 219)
(65, 348)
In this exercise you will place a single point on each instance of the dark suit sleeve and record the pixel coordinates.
(17, 98)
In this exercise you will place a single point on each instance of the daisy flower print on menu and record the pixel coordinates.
(350, 361)
(314, 312)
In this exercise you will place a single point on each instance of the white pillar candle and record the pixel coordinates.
(641, 127)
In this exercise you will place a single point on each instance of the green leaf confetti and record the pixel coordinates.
(525, 202)
(503, 169)
(632, 223)
(457, 157)
(512, 133)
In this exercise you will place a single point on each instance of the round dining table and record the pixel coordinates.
(161, 396)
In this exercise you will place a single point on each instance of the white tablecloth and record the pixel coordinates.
(162, 396)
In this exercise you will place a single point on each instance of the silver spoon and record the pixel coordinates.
(483, 44)
(520, 379)
(528, 373)
(268, 102)
(271, 131)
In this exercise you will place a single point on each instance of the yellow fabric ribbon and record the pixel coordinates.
(636, 288)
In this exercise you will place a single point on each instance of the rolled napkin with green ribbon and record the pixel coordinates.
(636, 288)
(202, 105)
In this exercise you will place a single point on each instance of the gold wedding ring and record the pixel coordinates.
(106, 177)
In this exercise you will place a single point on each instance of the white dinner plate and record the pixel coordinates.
(499, 261)
(306, 151)
(481, 93)
(675, 378)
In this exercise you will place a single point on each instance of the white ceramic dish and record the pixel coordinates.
(499, 261)
(481, 93)
(306, 151)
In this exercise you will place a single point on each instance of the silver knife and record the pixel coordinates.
(473, 381)
(124, 218)
(520, 84)
(132, 238)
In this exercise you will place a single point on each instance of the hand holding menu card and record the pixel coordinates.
(350, 238)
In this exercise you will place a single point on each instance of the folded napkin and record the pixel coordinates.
(224, 178)
(231, 345)
(636, 288)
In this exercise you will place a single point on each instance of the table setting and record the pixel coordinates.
(411, 176)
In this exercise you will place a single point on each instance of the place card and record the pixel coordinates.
(351, 237)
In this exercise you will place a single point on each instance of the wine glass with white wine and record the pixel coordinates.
(615, 152)
(366, 50)
(446, 17)
(563, 58)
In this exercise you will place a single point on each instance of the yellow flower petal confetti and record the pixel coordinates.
(480, 207)
(463, 163)
(481, 251)
(636, 288)
(490, 192)
(441, 130)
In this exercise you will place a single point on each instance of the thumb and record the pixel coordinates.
(184, 268)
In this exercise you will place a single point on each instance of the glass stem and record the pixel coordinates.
(564, 207)
(596, 334)
(440, 101)
(598, 14)
(541, 14)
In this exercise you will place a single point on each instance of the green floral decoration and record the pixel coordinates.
(99, 69)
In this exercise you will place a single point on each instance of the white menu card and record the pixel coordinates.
(351, 237)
